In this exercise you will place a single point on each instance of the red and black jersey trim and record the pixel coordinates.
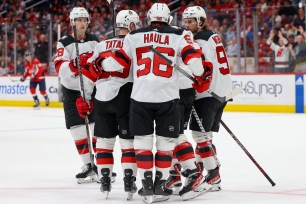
(58, 64)
(122, 58)
(188, 53)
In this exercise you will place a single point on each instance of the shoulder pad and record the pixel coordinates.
(91, 37)
(66, 40)
(168, 29)
(204, 35)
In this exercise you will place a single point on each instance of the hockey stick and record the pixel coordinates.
(247, 153)
(111, 3)
(11, 79)
(207, 139)
(224, 99)
(83, 93)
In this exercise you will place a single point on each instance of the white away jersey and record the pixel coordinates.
(66, 51)
(281, 54)
(108, 88)
(214, 52)
(154, 80)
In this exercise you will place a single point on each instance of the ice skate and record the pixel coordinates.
(161, 192)
(36, 104)
(213, 178)
(87, 175)
(147, 190)
(174, 180)
(105, 182)
(195, 184)
(47, 100)
(129, 183)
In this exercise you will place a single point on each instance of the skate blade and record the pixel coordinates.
(85, 181)
(160, 198)
(148, 199)
(215, 188)
(201, 189)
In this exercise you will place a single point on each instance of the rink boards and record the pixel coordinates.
(262, 93)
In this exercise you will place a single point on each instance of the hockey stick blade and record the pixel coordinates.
(229, 96)
(14, 80)
(247, 153)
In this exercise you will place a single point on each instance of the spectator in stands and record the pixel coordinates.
(41, 49)
(281, 52)
(300, 18)
(300, 48)
(232, 48)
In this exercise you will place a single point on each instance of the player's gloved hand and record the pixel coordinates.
(96, 68)
(204, 80)
(97, 72)
(22, 79)
(73, 65)
(83, 61)
(84, 108)
(84, 57)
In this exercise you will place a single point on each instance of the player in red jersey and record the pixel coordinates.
(36, 71)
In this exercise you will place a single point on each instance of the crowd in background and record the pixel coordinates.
(273, 15)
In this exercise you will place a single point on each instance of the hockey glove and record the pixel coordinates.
(83, 60)
(22, 79)
(74, 67)
(204, 80)
(83, 107)
(96, 68)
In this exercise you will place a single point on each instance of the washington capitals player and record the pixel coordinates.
(67, 69)
(208, 108)
(112, 103)
(36, 71)
(155, 98)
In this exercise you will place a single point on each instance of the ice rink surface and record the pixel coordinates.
(39, 161)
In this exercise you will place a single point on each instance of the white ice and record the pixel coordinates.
(39, 161)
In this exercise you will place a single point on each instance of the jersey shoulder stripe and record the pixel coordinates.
(68, 39)
(168, 29)
(204, 35)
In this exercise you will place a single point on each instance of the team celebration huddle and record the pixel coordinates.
(146, 85)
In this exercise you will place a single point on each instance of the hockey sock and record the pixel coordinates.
(206, 155)
(185, 155)
(80, 139)
(128, 158)
(104, 153)
(163, 161)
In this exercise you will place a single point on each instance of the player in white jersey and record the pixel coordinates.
(66, 67)
(183, 154)
(281, 52)
(208, 108)
(155, 98)
(112, 102)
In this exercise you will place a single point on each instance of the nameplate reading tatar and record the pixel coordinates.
(157, 38)
(114, 44)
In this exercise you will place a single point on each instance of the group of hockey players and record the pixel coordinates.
(133, 93)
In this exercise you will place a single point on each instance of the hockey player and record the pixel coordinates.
(67, 69)
(112, 102)
(155, 98)
(36, 71)
(208, 108)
